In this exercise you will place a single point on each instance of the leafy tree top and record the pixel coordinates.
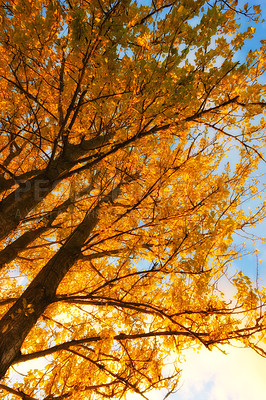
(130, 142)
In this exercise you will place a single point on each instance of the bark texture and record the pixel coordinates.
(23, 315)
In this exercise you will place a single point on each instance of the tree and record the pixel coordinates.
(118, 206)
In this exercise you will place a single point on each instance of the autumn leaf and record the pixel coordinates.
(131, 138)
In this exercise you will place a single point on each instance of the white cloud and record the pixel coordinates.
(214, 376)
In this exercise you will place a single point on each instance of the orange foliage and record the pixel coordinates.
(118, 202)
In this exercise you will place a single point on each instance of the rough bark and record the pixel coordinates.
(21, 201)
(22, 316)
(11, 251)
(6, 184)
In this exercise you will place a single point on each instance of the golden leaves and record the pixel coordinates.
(135, 117)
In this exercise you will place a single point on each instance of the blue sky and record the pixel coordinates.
(241, 373)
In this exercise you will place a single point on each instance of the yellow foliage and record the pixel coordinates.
(130, 144)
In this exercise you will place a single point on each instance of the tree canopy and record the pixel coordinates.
(130, 139)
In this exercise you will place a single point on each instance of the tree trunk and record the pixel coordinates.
(21, 201)
(22, 316)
